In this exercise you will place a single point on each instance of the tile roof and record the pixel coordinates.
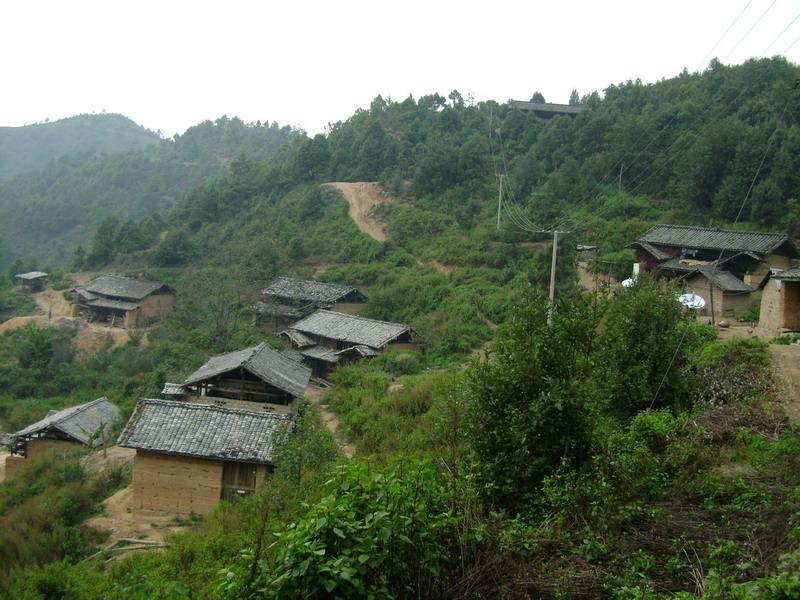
(350, 328)
(78, 422)
(685, 236)
(568, 109)
(123, 287)
(113, 304)
(788, 274)
(286, 311)
(204, 431)
(652, 250)
(321, 353)
(31, 276)
(173, 389)
(724, 280)
(308, 291)
(262, 361)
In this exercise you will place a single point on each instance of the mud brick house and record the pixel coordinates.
(190, 456)
(64, 430)
(123, 301)
(780, 304)
(258, 378)
(326, 339)
(33, 281)
(287, 300)
(730, 267)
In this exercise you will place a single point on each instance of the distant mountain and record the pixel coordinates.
(46, 213)
(33, 146)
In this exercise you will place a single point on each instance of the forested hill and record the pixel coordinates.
(33, 146)
(46, 213)
(688, 148)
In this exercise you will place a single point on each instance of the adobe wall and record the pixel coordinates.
(156, 305)
(349, 308)
(725, 305)
(791, 305)
(13, 464)
(175, 484)
(37, 448)
(769, 323)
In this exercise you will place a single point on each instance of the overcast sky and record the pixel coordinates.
(171, 64)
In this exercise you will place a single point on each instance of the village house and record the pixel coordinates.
(546, 110)
(326, 339)
(287, 300)
(33, 281)
(727, 268)
(257, 378)
(123, 301)
(64, 430)
(780, 304)
(190, 456)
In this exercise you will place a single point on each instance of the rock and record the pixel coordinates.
(723, 324)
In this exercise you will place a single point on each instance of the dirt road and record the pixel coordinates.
(786, 367)
(362, 197)
(329, 419)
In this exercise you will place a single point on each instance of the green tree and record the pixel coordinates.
(531, 399)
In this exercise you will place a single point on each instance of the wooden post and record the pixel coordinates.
(711, 292)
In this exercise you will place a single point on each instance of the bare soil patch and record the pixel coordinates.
(52, 303)
(111, 458)
(445, 270)
(3, 454)
(590, 281)
(362, 197)
(119, 518)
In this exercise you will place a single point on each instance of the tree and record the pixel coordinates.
(78, 259)
(538, 97)
(104, 244)
(531, 400)
(574, 98)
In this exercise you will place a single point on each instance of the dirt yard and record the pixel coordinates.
(119, 518)
(362, 198)
(786, 366)
(591, 281)
(330, 419)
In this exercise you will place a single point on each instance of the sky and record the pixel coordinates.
(171, 64)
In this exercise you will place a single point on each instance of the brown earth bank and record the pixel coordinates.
(786, 370)
(362, 197)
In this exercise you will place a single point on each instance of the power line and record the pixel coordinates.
(753, 26)
(780, 35)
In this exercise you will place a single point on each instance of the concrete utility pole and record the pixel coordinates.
(499, 200)
(619, 184)
(553, 267)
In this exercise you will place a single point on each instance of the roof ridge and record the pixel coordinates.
(358, 317)
(210, 407)
(699, 228)
(76, 410)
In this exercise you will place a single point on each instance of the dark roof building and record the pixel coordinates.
(718, 240)
(546, 110)
(313, 292)
(33, 281)
(75, 424)
(204, 431)
(124, 288)
(352, 330)
(256, 374)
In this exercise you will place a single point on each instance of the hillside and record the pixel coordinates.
(46, 214)
(602, 446)
(33, 146)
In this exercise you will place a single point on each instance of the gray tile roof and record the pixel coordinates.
(308, 291)
(788, 274)
(173, 389)
(655, 252)
(204, 431)
(31, 276)
(684, 236)
(286, 311)
(724, 280)
(321, 353)
(123, 287)
(77, 422)
(298, 339)
(548, 107)
(113, 304)
(350, 328)
(262, 361)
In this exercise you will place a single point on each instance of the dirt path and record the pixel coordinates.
(329, 418)
(362, 198)
(89, 337)
(786, 366)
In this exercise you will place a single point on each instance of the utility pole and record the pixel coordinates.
(553, 267)
(619, 184)
(499, 200)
